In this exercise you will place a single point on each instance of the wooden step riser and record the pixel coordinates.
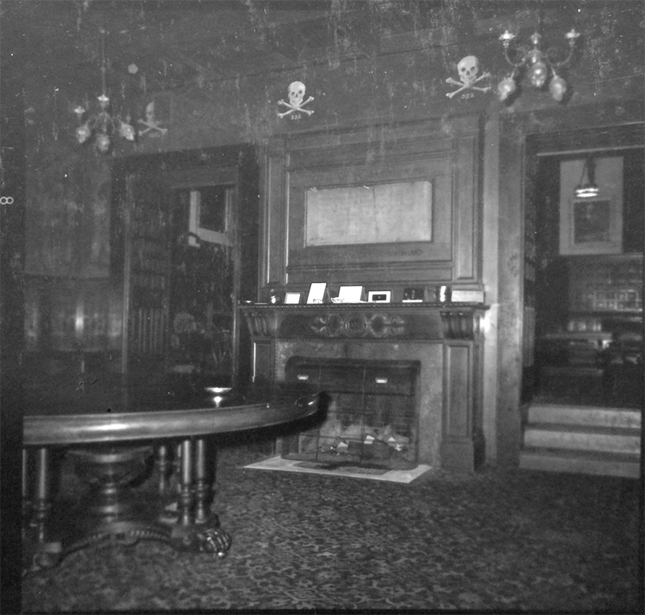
(583, 441)
(535, 461)
(585, 417)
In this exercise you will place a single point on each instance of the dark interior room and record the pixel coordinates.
(328, 305)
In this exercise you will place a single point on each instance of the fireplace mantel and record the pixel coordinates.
(445, 338)
(404, 321)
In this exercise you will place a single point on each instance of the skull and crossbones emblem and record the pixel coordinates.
(468, 69)
(151, 122)
(296, 95)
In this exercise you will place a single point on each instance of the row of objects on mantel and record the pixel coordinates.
(320, 293)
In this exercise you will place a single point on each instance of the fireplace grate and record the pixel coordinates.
(371, 418)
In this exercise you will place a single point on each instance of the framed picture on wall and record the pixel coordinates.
(591, 228)
(592, 225)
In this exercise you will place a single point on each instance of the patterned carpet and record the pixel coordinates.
(495, 541)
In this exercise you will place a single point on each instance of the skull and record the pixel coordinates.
(468, 68)
(296, 93)
(150, 113)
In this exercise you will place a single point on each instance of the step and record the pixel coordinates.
(585, 415)
(581, 462)
(615, 440)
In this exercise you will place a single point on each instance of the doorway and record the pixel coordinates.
(185, 230)
(584, 302)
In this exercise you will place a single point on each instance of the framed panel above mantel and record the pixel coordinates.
(395, 204)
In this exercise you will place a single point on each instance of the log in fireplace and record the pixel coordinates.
(372, 418)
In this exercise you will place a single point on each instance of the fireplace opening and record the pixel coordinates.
(371, 419)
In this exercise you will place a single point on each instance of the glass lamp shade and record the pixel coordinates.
(538, 74)
(505, 88)
(558, 88)
(83, 133)
(103, 143)
(588, 191)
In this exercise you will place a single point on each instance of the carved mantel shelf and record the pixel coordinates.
(392, 321)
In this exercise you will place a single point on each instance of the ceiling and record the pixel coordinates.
(161, 45)
(169, 44)
(175, 43)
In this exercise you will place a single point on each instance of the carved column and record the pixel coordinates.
(462, 443)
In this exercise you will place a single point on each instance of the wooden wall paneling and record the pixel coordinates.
(510, 319)
(274, 217)
(457, 447)
(466, 203)
(449, 157)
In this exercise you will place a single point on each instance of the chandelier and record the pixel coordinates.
(540, 65)
(102, 126)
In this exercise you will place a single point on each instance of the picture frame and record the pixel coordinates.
(292, 298)
(413, 295)
(351, 294)
(379, 296)
(591, 225)
(317, 293)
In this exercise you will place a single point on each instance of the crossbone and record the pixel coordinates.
(152, 126)
(467, 86)
(293, 108)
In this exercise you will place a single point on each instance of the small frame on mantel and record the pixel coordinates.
(292, 298)
(317, 293)
(379, 296)
(351, 294)
(413, 295)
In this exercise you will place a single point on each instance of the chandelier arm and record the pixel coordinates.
(522, 51)
(549, 54)
(103, 67)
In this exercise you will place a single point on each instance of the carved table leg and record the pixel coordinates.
(38, 553)
(203, 533)
(201, 488)
(162, 465)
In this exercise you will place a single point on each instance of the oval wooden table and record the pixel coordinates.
(112, 450)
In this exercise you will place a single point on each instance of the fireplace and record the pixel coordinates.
(395, 371)
(371, 413)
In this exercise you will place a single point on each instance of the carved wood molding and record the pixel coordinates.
(358, 325)
(461, 325)
(427, 321)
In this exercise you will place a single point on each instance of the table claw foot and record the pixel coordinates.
(214, 540)
(47, 555)
(201, 539)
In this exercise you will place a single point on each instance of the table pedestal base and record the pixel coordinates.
(112, 514)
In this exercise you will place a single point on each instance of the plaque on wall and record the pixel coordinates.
(380, 213)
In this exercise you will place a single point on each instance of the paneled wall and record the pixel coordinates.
(441, 229)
